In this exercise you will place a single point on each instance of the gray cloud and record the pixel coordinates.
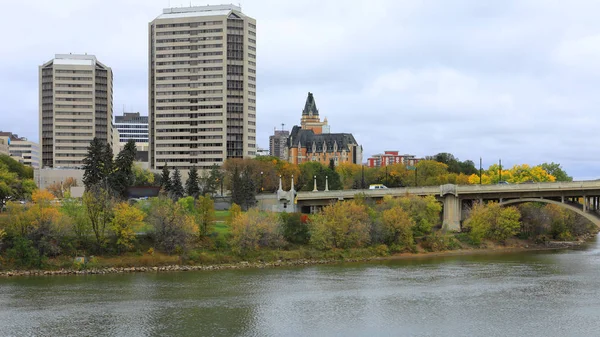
(515, 80)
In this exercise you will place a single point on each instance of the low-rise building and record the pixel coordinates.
(4, 143)
(391, 158)
(20, 149)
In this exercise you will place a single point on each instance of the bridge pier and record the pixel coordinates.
(452, 213)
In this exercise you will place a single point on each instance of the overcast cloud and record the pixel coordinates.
(516, 80)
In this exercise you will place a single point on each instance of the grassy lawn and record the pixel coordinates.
(221, 215)
(221, 228)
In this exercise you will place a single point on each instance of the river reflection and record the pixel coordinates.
(519, 294)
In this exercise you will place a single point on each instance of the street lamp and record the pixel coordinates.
(261, 181)
(315, 181)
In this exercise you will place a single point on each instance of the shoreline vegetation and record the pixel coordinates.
(138, 264)
(47, 232)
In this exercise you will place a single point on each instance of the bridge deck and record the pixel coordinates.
(566, 189)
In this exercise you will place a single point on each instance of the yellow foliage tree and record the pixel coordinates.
(397, 227)
(341, 225)
(516, 174)
(126, 221)
(254, 229)
(43, 213)
(492, 221)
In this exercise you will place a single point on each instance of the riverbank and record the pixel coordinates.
(513, 246)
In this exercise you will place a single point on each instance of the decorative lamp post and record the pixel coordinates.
(261, 181)
(315, 181)
(326, 184)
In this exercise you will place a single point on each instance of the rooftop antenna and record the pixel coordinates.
(282, 125)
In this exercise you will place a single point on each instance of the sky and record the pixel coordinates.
(515, 80)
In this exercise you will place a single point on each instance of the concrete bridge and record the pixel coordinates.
(582, 197)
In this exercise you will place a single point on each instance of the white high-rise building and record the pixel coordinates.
(75, 106)
(202, 86)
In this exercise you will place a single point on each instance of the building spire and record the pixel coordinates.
(310, 107)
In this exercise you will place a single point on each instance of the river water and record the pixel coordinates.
(516, 294)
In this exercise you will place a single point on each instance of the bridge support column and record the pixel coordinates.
(585, 203)
(452, 213)
(562, 199)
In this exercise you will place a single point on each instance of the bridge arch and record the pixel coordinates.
(595, 220)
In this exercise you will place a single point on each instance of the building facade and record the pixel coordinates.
(202, 86)
(20, 149)
(307, 142)
(132, 125)
(277, 144)
(4, 144)
(391, 158)
(76, 98)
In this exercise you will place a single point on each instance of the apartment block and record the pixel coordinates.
(277, 143)
(202, 86)
(76, 105)
(391, 158)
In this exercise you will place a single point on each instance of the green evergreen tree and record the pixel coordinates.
(176, 185)
(237, 196)
(165, 180)
(191, 185)
(107, 168)
(93, 164)
(123, 176)
(248, 189)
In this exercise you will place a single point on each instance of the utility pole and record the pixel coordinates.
(480, 170)
(416, 179)
(362, 184)
(500, 170)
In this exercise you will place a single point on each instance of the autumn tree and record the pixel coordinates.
(143, 177)
(253, 230)
(295, 227)
(234, 211)
(126, 221)
(78, 218)
(516, 174)
(61, 189)
(38, 222)
(492, 221)
(424, 212)
(15, 181)
(206, 215)
(397, 226)
(98, 204)
(173, 228)
(341, 225)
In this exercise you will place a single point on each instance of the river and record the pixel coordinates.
(554, 293)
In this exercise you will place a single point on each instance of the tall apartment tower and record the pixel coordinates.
(202, 86)
(76, 93)
(277, 143)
